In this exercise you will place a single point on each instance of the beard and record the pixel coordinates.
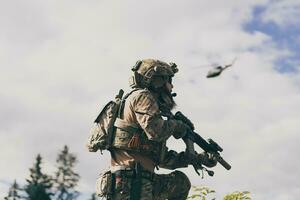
(166, 100)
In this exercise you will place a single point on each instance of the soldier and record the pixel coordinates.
(139, 144)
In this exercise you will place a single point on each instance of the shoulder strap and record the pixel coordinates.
(121, 109)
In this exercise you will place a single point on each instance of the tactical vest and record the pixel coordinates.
(131, 137)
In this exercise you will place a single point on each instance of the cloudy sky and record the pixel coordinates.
(61, 61)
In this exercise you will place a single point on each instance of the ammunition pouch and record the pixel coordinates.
(105, 185)
(130, 137)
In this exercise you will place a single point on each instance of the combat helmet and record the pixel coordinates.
(151, 73)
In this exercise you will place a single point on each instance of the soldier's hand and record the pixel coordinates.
(207, 159)
(181, 129)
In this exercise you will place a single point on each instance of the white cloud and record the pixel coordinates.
(284, 13)
(53, 87)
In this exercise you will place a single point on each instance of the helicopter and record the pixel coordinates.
(216, 71)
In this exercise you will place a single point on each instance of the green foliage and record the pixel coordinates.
(202, 193)
(39, 184)
(66, 179)
(13, 193)
(238, 196)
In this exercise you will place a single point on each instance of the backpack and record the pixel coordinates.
(101, 134)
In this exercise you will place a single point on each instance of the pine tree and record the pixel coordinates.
(65, 178)
(39, 184)
(13, 192)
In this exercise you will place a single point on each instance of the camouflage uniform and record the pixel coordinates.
(140, 138)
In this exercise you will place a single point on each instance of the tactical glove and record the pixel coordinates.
(207, 159)
(181, 129)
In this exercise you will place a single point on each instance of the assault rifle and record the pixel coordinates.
(210, 147)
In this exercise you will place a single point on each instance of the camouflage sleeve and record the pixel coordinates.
(149, 118)
(173, 160)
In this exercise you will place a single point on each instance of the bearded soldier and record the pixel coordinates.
(139, 143)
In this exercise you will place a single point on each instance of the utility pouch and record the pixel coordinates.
(104, 185)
